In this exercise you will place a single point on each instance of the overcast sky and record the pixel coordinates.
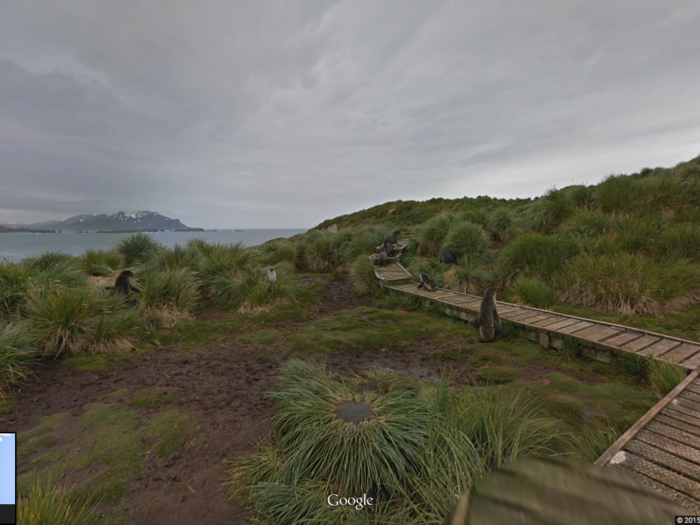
(283, 114)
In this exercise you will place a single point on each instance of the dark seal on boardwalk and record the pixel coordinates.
(490, 325)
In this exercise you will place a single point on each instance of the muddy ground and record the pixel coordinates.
(222, 385)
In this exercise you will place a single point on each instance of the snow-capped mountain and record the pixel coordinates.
(140, 220)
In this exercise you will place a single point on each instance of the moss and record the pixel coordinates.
(371, 328)
(498, 374)
(154, 396)
(265, 336)
(452, 354)
(114, 449)
(30, 446)
(95, 362)
(167, 431)
(7, 405)
(122, 392)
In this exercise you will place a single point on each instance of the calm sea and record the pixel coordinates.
(15, 246)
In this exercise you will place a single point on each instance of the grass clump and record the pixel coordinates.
(534, 255)
(250, 292)
(364, 280)
(411, 447)
(433, 233)
(170, 295)
(630, 284)
(17, 352)
(44, 505)
(137, 248)
(469, 277)
(664, 376)
(535, 293)
(79, 320)
(551, 211)
(100, 262)
(467, 240)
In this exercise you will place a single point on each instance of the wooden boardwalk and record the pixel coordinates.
(662, 449)
(550, 328)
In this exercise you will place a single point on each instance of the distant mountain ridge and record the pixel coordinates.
(121, 221)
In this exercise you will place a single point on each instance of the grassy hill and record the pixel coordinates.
(626, 249)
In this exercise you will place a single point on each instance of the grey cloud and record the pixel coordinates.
(267, 114)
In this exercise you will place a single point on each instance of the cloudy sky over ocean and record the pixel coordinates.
(282, 114)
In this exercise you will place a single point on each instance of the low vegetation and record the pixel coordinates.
(410, 446)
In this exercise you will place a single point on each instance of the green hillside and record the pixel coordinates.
(626, 249)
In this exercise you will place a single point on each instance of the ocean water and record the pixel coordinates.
(16, 246)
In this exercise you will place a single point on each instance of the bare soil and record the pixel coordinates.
(223, 385)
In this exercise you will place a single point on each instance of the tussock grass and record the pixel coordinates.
(502, 226)
(14, 287)
(17, 352)
(275, 252)
(250, 292)
(629, 284)
(78, 320)
(364, 280)
(48, 261)
(534, 293)
(430, 265)
(681, 241)
(534, 255)
(468, 241)
(365, 243)
(137, 248)
(664, 376)
(226, 260)
(170, 295)
(176, 258)
(469, 277)
(422, 446)
(587, 223)
(551, 211)
(619, 194)
(432, 234)
(45, 505)
(593, 440)
(100, 262)
(637, 235)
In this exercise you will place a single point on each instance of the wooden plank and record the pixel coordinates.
(688, 502)
(646, 418)
(597, 333)
(563, 324)
(671, 412)
(681, 353)
(535, 321)
(669, 445)
(692, 363)
(683, 410)
(662, 475)
(650, 453)
(522, 314)
(556, 319)
(574, 327)
(682, 425)
(623, 338)
(693, 396)
(659, 348)
(642, 342)
(674, 433)
(693, 387)
(687, 403)
(545, 320)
